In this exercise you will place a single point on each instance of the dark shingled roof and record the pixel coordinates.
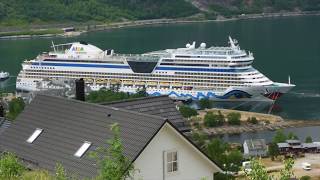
(4, 124)
(162, 106)
(66, 125)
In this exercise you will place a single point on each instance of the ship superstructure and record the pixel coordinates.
(220, 73)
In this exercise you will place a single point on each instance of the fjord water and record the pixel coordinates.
(281, 46)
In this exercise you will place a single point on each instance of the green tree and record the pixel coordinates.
(187, 111)
(199, 139)
(229, 159)
(279, 137)
(273, 150)
(210, 119)
(10, 166)
(233, 160)
(60, 172)
(108, 95)
(216, 149)
(234, 118)
(16, 106)
(287, 172)
(113, 164)
(292, 136)
(205, 103)
(308, 139)
(258, 171)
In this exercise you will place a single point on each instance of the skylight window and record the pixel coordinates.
(35, 135)
(85, 146)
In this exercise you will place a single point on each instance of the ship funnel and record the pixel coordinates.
(2, 111)
(80, 94)
(193, 45)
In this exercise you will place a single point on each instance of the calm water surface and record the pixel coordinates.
(282, 47)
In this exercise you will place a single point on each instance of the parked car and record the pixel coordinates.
(306, 166)
(246, 165)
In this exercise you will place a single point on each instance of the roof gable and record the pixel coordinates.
(66, 125)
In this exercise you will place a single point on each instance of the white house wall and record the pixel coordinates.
(192, 165)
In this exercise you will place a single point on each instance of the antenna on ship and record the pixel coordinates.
(54, 48)
(232, 44)
(289, 80)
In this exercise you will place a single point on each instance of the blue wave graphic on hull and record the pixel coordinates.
(234, 94)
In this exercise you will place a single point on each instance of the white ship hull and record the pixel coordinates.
(218, 73)
(257, 93)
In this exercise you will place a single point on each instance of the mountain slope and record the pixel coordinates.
(235, 7)
(38, 11)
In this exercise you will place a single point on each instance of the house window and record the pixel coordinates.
(35, 135)
(172, 162)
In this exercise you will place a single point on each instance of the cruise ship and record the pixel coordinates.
(218, 73)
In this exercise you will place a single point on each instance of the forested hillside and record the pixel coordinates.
(22, 12)
(236, 7)
(14, 12)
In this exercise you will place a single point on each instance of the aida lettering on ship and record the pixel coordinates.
(219, 73)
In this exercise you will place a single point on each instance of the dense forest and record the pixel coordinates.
(14, 12)
(22, 12)
(236, 7)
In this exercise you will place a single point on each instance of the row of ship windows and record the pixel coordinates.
(42, 67)
(188, 84)
(149, 79)
(239, 57)
(205, 57)
(207, 61)
(81, 61)
(133, 77)
(204, 65)
(136, 74)
(216, 74)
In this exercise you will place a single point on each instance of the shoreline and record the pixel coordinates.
(265, 122)
(247, 128)
(128, 24)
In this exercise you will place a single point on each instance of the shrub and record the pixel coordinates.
(252, 120)
(10, 166)
(222, 176)
(205, 103)
(234, 118)
(210, 120)
(305, 178)
(187, 111)
(220, 118)
(37, 175)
